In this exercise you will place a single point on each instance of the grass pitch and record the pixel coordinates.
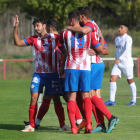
(14, 104)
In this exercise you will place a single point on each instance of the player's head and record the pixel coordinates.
(52, 26)
(73, 18)
(39, 25)
(85, 13)
(123, 29)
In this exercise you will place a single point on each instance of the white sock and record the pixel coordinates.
(133, 91)
(113, 88)
(37, 121)
(79, 121)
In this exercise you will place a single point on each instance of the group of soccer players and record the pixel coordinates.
(80, 45)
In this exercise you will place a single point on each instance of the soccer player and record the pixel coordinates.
(52, 27)
(45, 67)
(123, 64)
(97, 65)
(77, 68)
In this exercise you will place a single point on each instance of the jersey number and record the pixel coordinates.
(80, 40)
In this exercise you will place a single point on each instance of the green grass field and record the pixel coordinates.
(14, 104)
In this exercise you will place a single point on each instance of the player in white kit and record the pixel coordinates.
(123, 64)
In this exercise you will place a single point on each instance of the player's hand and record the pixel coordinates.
(61, 70)
(65, 29)
(15, 21)
(91, 52)
(117, 61)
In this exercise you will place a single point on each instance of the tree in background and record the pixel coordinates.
(52, 9)
(114, 12)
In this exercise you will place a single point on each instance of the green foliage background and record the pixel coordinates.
(109, 13)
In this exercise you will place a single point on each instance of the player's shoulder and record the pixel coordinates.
(128, 37)
(33, 36)
(92, 22)
(54, 36)
(117, 38)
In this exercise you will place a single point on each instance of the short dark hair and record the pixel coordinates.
(54, 24)
(74, 14)
(85, 10)
(41, 20)
(125, 24)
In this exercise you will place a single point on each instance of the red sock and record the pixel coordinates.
(43, 108)
(101, 106)
(32, 114)
(88, 109)
(79, 101)
(94, 109)
(59, 110)
(71, 107)
(77, 115)
(100, 115)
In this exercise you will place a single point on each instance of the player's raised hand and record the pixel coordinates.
(15, 21)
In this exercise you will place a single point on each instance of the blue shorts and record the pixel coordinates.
(97, 72)
(77, 79)
(49, 80)
(62, 84)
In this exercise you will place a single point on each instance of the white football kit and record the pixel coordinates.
(123, 52)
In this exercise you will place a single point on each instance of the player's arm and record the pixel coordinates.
(105, 50)
(80, 30)
(64, 56)
(98, 46)
(17, 40)
(63, 50)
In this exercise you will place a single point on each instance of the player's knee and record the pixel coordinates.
(56, 99)
(112, 79)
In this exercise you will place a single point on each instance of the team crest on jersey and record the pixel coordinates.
(35, 80)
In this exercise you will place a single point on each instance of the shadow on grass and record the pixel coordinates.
(50, 129)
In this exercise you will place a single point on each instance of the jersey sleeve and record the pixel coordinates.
(61, 42)
(90, 25)
(29, 40)
(105, 43)
(94, 41)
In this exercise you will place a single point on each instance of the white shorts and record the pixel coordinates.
(127, 70)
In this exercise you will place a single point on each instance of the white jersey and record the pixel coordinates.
(124, 50)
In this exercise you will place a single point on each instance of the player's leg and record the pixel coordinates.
(66, 97)
(71, 86)
(84, 87)
(115, 74)
(36, 88)
(43, 109)
(51, 83)
(128, 72)
(59, 110)
(101, 106)
(97, 71)
(79, 101)
(71, 107)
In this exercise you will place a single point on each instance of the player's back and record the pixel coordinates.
(77, 46)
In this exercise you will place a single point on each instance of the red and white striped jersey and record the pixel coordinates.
(94, 27)
(77, 46)
(45, 53)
